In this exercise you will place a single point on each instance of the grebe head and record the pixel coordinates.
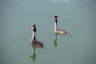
(56, 18)
(34, 28)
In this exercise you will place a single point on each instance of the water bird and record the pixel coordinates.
(35, 42)
(57, 30)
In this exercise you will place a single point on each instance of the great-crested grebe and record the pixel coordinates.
(35, 42)
(57, 30)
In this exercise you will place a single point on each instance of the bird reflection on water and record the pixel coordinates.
(34, 54)
(55, 40)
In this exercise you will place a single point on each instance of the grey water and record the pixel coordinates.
(76, 16)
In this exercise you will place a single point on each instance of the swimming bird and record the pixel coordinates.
(35, 42)
(57, 30)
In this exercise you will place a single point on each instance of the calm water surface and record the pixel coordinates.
(76, 16)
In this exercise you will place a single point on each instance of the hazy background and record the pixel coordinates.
(76, 16)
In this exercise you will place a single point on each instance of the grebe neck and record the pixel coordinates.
(55, 26)
(33, 36)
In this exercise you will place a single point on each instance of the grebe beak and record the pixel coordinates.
(29, 27)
